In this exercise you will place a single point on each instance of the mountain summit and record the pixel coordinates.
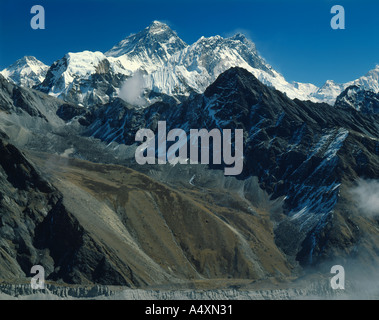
(157, 43)
(27, 71)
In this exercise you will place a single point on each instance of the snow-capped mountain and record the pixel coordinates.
(330, 90)
(86, 78)
(360, 99)
(90, 78)
(169, 66)
(27, 72)
(370, 81)
(148, 49)
(165, 66)
(199, 64)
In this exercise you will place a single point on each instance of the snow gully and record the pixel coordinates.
(178, 150)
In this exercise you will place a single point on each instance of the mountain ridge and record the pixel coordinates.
(170, 67)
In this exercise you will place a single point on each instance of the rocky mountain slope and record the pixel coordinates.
(302, 151)
(96, 223)
(106, 224)
(83, 207)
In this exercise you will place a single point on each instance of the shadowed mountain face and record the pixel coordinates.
(105, 223)
(299, 150)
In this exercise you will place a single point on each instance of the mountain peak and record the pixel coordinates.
(148, 40)
(233, 79)
(27, 58)
(157, 28)
(239, 36)
(26, 71)
(158, 25)
(243, 39)
(373, 71)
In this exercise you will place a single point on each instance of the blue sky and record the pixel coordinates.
(294, 36)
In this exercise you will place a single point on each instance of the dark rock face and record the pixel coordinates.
(69, 111)
(73, 251)
(25, 200)
(19, 172)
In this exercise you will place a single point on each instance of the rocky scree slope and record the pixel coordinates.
(304, 154)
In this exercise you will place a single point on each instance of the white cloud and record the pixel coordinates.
(132, 90)
(366, 195)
